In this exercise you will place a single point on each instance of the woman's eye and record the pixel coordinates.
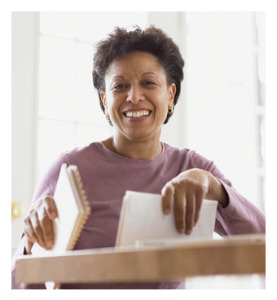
(149, 83)
(119, 86)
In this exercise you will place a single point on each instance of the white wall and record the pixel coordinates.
(24, 78)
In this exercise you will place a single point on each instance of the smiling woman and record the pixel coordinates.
(152, 41)
(138, 76)
(138, 82)
(137, 100)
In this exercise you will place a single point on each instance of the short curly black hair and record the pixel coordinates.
(151, 40)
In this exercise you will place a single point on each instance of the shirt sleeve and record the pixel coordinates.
(46, 186)
(240, 216)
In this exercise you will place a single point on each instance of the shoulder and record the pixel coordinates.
(171, 151)
(78, 156)
(188, 158)
(82, 153)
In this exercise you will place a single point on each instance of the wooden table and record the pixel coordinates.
(236, 255)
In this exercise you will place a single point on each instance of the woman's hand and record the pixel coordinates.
(186, 193)
(38, 224)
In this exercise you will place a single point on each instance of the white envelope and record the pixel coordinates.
(142, 221)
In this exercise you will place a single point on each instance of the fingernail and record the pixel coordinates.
(180, 230)
(167, 211)
(49, 244)
(188, 231)
(53, 214)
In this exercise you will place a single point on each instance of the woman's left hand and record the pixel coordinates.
(186, 193)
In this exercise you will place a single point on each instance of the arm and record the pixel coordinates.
(186, 193)
(202, 179)
(240, 216)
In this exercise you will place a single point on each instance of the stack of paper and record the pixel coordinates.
(142, 221)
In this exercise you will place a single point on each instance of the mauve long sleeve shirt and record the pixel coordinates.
(106, 177)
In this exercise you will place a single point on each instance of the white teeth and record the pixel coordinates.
(137, 114)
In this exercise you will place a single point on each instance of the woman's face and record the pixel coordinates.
(137, 96)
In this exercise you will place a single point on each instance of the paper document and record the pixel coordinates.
(142, 220)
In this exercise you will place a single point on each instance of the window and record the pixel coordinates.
(225, 95)
(69, 114)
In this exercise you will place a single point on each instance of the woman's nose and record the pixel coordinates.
(135, 95)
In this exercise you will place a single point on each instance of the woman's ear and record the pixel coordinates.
(103, 99)
(172, 92)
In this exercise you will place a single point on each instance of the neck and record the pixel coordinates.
(145, 150)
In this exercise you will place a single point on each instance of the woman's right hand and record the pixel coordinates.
(38, 224)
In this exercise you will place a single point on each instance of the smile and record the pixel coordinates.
(137, 114)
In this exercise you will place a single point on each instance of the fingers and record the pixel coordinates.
(50, 207)
(28, 246)
(198, 203)
(30, 231)
(184, 210)
(183, 213)
(38, 225)
(46, 225)
(35, 226)
(167, 197)
(179, 210)
(187, 205)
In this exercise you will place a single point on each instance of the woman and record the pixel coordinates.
(138, 77)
